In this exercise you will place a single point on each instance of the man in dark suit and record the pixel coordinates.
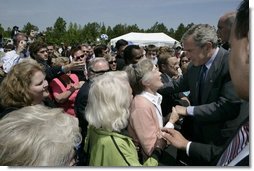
(239, 71)
(120, 46)
(97, 66)
(217, 101)
(168, 66)
(224, 27)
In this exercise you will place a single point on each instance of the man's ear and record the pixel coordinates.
(209, 45)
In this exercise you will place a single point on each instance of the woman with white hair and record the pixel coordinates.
(107, 118)
(38, 136)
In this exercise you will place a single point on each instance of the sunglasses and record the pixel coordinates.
(99, 72)
(79, 57)
(111, 62)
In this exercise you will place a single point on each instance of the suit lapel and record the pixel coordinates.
(212, 75)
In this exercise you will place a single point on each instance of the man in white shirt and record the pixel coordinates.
(20, 52)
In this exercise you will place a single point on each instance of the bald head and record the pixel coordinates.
(97, 66)
(225, 24)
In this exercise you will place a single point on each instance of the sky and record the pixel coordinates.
(144, 13)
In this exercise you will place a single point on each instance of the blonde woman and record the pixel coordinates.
(24, 85)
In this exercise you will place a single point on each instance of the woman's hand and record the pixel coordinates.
(173, 116)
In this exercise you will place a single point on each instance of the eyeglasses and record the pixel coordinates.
(99, 72)
(43, 51)
(184, 61)
(79, 57)
(111, 62)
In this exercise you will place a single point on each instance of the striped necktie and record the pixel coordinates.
(240, 140)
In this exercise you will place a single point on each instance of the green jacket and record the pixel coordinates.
(103, 151)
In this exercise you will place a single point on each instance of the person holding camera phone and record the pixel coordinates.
(20, 52)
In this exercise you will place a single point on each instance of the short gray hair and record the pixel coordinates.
(91, 66)
(201, 34)
(139, 72)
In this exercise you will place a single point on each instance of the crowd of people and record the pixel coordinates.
(92, 106)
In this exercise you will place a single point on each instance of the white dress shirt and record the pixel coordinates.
(10, 59)
(156, 100)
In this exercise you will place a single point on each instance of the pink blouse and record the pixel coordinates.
(143, 123)
(57, 87)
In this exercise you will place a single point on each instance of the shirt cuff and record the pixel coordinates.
(188, 148)
(190, 110)
(169, 125)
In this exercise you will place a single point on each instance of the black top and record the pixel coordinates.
(80, 105)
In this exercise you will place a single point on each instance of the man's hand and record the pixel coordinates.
(174, 138)
(76, 65)
(181, 110)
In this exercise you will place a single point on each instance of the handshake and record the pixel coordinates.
(168, 135)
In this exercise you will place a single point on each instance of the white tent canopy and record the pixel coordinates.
(144, 39)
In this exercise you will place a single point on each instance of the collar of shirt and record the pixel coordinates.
(209, 63)
(155, 99)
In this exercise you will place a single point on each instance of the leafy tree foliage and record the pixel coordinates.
(59, 30)
(74, 34)
(28, 27)
(158, 27)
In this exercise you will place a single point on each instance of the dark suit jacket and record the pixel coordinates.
(219, 104)
(171, 99)
(80, 105)
(209, 154)
(219, 101)
(51, 72)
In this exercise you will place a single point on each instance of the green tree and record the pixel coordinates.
(189, 26)
(90, 32)
(171, 33)
(59, 30)
(110, 32)
(72, 36)
(133, 28)
(49, 36)
(103, 29)
(181, 29)
(1, 29)
(157, 28)
(119, 30)
(28, 27)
